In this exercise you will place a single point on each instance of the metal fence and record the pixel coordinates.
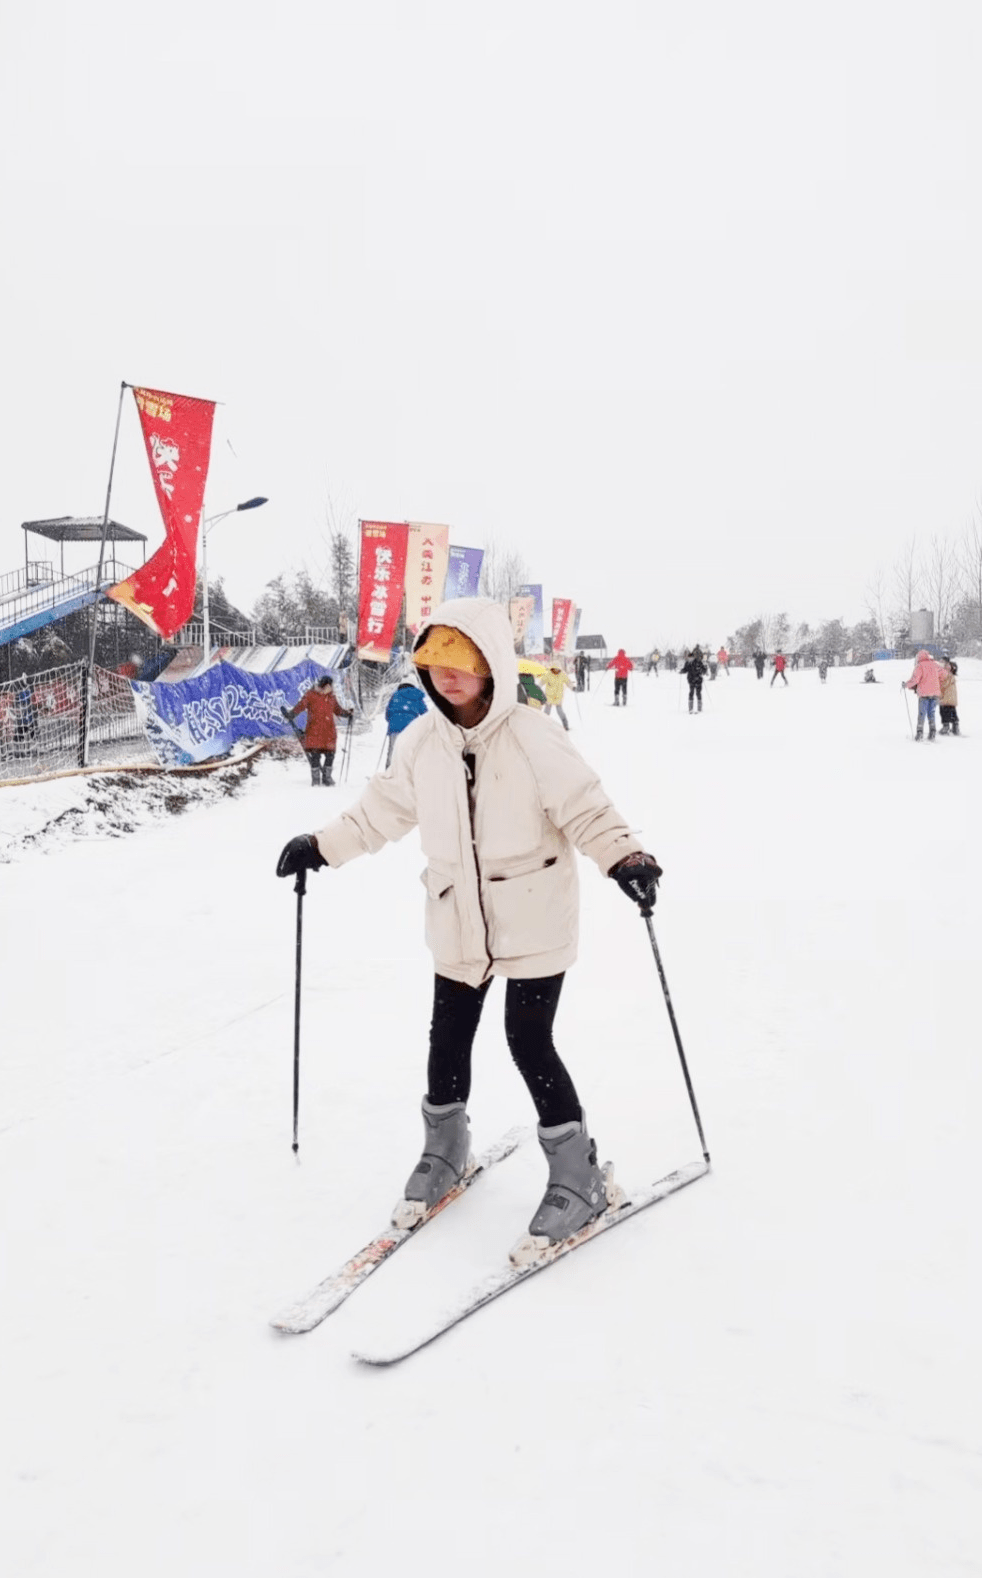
(42, 723)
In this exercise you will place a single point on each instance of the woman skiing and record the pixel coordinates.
(554, 682)
(926, 680)
(320, 735)
(502, 800)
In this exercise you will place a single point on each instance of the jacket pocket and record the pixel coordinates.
(531, 912)
(442, 929)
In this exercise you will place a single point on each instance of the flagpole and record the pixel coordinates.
(94, 620)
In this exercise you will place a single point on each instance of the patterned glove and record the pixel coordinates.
(637, 876)
(300, 854)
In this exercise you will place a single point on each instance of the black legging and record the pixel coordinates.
(530, 1008)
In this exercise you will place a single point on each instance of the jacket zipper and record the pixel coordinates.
(469, 769)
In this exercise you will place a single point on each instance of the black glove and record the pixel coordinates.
(637, 876)
(300, 854)
(286, 713)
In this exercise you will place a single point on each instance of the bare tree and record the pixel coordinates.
(907, 584)
(503, 571)
(941, 580)
(875, 595)
(970, 562)
(339, 539)
(779, 628)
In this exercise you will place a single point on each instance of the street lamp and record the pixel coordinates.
(249, 504)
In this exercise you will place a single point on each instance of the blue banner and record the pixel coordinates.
(196, 719)
(463, 572)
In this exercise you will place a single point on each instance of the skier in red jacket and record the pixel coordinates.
(622, 666)
(780, 664)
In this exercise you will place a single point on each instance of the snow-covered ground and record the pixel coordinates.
(774, 1374)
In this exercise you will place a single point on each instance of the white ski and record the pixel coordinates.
(502, 1281)
(330, 1294)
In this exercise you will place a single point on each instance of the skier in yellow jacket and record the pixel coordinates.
(554, 681)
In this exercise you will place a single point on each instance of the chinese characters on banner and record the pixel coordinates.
(534, 644)
(562, 625)
(381, 580)
(520, 610)
(463, 572)
(177, 433)
(426, 572)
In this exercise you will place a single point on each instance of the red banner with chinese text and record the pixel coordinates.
(562, 624)
(381, 579)
(427, 556)
(177, 433)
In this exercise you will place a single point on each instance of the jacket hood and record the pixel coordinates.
(486, 623)
(922, 657)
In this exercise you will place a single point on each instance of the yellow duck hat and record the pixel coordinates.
(445, 647)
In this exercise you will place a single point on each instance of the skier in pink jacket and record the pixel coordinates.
(926, 680)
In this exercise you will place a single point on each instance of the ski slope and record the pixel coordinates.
(774, 1374)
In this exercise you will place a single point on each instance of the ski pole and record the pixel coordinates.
(346, 762)
(675, 1031)
(293, 726)
(381, 749)
(907, 705)
(299, 888)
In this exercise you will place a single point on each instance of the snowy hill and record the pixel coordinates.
(774, 1374)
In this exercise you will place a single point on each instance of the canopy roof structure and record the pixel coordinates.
(82, 528)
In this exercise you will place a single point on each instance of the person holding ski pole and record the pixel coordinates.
(406, 703)
(694, 669)
(779, 664)
(502, 801)
(320, 735)
(926, 680)
(622, 666)
(554, 682)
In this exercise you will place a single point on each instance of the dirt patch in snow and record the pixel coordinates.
(43, 817)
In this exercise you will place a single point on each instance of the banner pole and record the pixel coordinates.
(94, 619)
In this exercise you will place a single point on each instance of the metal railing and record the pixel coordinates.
(38, 572)
(193, 635)
(37, 599)
(313, 636)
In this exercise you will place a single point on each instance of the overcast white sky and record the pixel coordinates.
(682, 301)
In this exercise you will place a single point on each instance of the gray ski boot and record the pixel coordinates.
(578, 1190)
(446, 1158)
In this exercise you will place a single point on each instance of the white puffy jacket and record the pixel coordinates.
(499, 809)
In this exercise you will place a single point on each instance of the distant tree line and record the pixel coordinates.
(943, 577)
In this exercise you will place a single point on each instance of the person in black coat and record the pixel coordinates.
(694, 669)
